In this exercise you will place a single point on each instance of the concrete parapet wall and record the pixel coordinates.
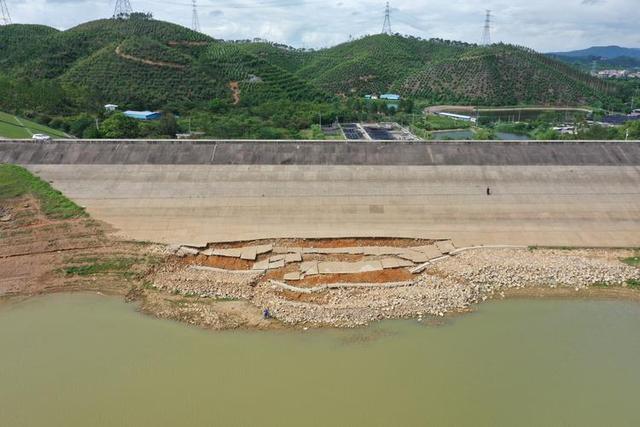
(432, 153)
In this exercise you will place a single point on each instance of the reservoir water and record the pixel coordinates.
(86, 360)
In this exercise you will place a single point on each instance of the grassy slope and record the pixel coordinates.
(16, 181)
(17, 128)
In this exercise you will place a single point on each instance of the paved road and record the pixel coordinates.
(532, 205)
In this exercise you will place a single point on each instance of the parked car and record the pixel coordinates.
(40, 137)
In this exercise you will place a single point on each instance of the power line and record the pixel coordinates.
(486, 35)
(123, 9)
(386, 28)
(195, 22)
(5, 18)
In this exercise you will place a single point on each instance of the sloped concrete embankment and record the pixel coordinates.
(320, 153)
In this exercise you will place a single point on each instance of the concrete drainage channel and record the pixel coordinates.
(301, 266)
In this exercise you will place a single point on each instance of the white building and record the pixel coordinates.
(111, 107)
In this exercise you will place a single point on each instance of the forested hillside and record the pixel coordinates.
(143, 63)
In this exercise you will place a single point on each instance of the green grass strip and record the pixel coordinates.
(16, 181)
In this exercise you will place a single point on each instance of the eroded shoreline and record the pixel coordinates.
(449, 286)
(303, 283)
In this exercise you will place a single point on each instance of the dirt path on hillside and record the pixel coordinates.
(235, 88)
(147, 61)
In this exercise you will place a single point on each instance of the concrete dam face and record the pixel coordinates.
(564, 194)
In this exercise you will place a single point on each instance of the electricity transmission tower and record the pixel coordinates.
(486, 35)
(195, 22)
(386, 28)
(123, 9)
(5, 18)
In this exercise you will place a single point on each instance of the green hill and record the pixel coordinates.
(144, 63)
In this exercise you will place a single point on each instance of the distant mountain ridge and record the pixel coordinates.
(605, 52)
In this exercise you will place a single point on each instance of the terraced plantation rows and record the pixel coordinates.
(146, 63)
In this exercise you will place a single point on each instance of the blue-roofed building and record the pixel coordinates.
(143, 115)
(390, 97)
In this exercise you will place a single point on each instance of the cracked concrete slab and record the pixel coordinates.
(414, 256)
(276, 264)
(382, 250)
(431, 251)
(293, 257)
(309, 268)
(389, 263)
(261, 265)
(294, 276)
(229, 253)
(285, 250)
(249, 254)
(349, 267)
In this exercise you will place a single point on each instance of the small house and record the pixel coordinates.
(143, 115)
(111, 107)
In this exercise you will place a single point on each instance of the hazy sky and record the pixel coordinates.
(545, 25)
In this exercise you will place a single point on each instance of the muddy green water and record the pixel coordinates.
(85, 360)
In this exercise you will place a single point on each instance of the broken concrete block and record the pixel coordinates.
(382, 250)
(276, 265)
(276, 258)
(431, 251)
(309, 268)
(414, 256)
(349, 267)
(395, 263)
(293, 257)
(445, 246)
(250, 254)
(230, 253)
(263, 249)
(261, 265)
(285, 250)
(293, 276)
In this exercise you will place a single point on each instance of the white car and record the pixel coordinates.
(40, 137)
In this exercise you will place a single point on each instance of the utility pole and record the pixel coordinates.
(195, 22)
(386, 28)
(486, 35)
(123, 9)
(5, 18)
